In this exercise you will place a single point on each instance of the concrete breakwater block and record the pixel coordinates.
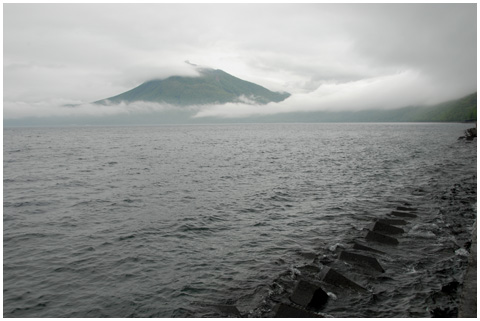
(381, 238)
(363, 260)
(357, 245)
(309, 295)
(386, 228)
(408, 209)
(228, 310)
(331, 276)
(392, 221)
(403, 214)
(287, 311)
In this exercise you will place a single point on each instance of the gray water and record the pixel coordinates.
(169, 221)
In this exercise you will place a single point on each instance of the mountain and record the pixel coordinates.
(461, 109)
(211, 87)
(458, 110)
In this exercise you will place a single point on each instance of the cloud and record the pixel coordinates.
(385, 92)
(328, 56)
(63, 108)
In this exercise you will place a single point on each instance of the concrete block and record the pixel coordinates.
(392, 221)
(331, 276)
(408, 209)
(309, 295)
(228, 310)
(386, 228)
(380, 238)
(403, 214)
(366, 261)
(357, 245)
(287, 311)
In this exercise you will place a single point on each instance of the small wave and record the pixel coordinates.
(334, 247)
(192, 228)
(122, 238)
(424, 231)
(462, 252)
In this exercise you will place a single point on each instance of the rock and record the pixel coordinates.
(377, 237)
(403, 214)
(331, 276)
(363, 260)
(309, 295)
(444, 312)
(451, 287)
(287, 311)
(471, 132)
(359, 246)
(386, 228)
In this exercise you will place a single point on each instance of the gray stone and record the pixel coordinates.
(331, 276)
(392, 221)
(288, 311)
(363, 260)
(386, 228)
(403, 214)
(381, 238)
(309, 295)
(359, 246)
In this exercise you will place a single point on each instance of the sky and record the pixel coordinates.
(328, 56)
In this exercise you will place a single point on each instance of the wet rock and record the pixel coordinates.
(357, 245)
(381, 238)
(288, 311)
(451, 287)
(363, 260)
(331, 276)
(471, 133)
(403, 214)
(386, 228)
(444, 312)
(309, 295)
(392, 221)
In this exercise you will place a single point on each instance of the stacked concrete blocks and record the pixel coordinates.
(309, 295)
(331, 276)
(288, 311)
(363, 260)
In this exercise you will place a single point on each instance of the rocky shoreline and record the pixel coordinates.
(468, 298)
(355, 273)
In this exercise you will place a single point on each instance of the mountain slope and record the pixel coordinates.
(211, 87)
(455, 110)
(458, 110)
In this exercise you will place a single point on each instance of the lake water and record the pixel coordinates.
(171, 221)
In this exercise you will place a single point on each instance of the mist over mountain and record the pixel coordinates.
(458, 110)
(212, 86)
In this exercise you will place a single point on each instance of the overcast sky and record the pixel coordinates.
(328, 56)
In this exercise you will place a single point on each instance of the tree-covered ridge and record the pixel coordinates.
(455, 110)
(211, 87)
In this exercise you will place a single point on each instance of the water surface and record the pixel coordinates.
(167, 221)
